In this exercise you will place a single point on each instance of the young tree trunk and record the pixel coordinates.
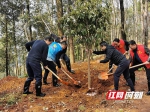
(59, 15)
(123, 34)
(6, 47)
(89, 75)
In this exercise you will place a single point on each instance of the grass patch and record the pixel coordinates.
(10, 99)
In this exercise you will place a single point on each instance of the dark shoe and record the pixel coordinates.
(26, 87)
(28, 92)
(72, 71)
(41, 94)
(148, 93)
(57, 85)
(38, 90)
(45, 83)
(128, 84)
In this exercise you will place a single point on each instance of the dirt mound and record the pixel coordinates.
(69, 98)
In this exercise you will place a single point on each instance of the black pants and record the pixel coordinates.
(132, 75)
(52, 66)
(123, 67)
(67, 60)
(34, 70)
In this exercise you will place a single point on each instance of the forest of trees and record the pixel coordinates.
(84, 22)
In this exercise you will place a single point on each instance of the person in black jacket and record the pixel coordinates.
(36, 55)
(118, 59)
(65, 57)
(122, 46)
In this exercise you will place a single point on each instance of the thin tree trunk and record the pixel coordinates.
(135, 19)
(123, 34)
(71, 45)
(113, 28)
(146, 24)
(29, 19)
(71, 50)
(82, 53)
(6, 47)
(142, 20)
(24, 63)
(89, 75)
(59, 15)
(15, 43)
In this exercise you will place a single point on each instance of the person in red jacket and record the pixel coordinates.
(139, 54)
(122, 46)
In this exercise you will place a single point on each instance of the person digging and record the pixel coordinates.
(63, 52)
(139, 54)
(37, 54)
(52, 58)
(118, 59)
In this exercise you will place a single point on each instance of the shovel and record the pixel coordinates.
(76, 83)
(62, 81)
(104, 75)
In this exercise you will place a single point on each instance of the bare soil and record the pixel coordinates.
(72, 99)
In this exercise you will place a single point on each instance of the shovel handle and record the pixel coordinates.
(67, 74)
(62, 69)
(111, 68)
(66, 83)
(137, 65)
(53, 73)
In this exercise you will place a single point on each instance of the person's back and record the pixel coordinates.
(114, 55)
(54, 48)
(118, 59)
(37, 53)
(37, 50)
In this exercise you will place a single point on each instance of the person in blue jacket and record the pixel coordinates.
(63, 52)
(52, 58)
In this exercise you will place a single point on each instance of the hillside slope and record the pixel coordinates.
(69, 98)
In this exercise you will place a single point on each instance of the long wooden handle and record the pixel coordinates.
(64, 70)
(67, 74)
(114, 65)
(111, 68)
(62, 81)
(53, 73)
(137, 65)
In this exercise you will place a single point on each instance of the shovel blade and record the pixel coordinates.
(103, 77)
